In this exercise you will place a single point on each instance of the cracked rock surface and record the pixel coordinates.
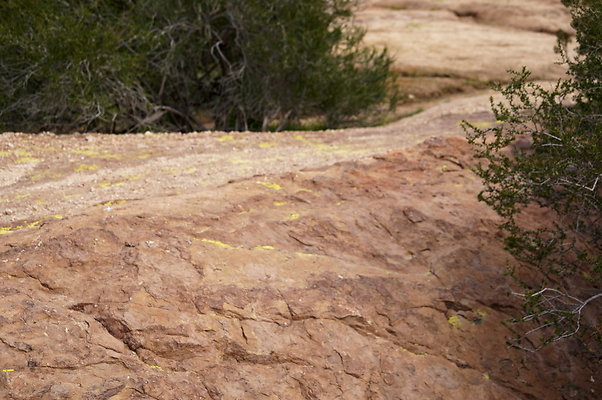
(375, 279)
(352, 264)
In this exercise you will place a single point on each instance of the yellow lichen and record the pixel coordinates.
(6, 230)
(111, 203)
(266, 145)
(106, 154)
(270, 185)
(307, 255)
(107, 184)
(89, 153)
(218, 243)
(454, 321)
(280, 203)
(46, 174)
(265, 248)
(8, 370)
(293, 217)
(483, 125)
(94, 153)
(225, 138)
(26, 160)
(322, 147)
(87, 167)
(302, 139)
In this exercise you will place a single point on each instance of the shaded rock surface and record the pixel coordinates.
(379, 279)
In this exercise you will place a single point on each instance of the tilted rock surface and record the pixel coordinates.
(471, 39)
(379, 279)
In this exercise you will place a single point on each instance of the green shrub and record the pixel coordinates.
(133, 65)
(547, 152)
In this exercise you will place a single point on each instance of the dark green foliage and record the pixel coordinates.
(547, 152)
(60, 67)
(132, 65)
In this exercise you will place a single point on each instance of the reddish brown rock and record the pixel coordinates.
(379, 280)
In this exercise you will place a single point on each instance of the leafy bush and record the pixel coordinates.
(133, 65)
(547, 152)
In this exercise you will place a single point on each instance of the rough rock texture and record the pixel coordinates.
(548, 16)
(247, 266)
(365, 280)
(471, 39)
